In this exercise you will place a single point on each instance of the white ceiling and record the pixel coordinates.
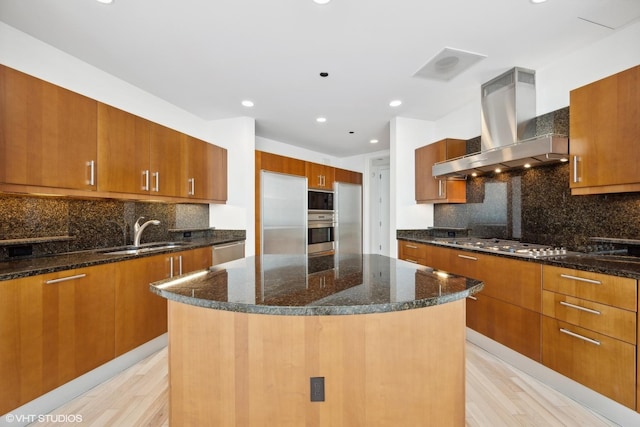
(206, 56)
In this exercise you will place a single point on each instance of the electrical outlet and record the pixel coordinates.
(317, 389)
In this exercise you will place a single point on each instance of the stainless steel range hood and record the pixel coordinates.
(508, 136)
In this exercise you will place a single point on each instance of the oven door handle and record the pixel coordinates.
(314, 224)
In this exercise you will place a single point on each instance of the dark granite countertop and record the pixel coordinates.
(52, 263)
(326, 285)
(623, 267)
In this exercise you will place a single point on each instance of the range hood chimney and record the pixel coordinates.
(508, 136)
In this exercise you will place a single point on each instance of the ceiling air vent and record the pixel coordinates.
(448, 64)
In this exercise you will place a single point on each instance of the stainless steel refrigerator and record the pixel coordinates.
(284, 214)
(348, 233)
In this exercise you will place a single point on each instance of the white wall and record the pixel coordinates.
(276, 147)
(27, 54)
(406, 136)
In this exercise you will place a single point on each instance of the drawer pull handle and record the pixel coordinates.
(472, 258)
(577, 307)
(411, 260)
(64, 279)
(411, 247)
(581, 279)
(573, 334)
(472, 298)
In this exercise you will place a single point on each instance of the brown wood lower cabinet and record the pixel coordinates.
(53, 328)
(141, 315)
(589, 330)
(508, 324)
(56, 327)
(604, 364)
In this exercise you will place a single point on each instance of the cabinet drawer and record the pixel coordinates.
(601, 318)
(611, 290)
(601, 363)
(413, 252)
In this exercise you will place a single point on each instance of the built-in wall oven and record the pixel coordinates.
(320, 237)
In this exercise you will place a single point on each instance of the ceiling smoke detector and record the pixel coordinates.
(448, 64)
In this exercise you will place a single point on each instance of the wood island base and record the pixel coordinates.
(399, 368)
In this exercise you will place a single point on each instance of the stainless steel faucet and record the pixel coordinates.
(138, 229)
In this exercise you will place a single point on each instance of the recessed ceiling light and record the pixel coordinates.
(321, 1)
(321, 119)
(247, 103)
(395, 103)
(374, 141)
(105, 1)
(538, 1)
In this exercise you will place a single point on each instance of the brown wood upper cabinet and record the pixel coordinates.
(351, 177)
(49, 134)
(430, 189)
(604, 133)
(320, 176)
(136, 156)
(204, 173)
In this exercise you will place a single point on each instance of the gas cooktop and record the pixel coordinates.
(507, 247)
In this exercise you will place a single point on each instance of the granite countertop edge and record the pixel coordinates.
(317, 310)
(578, 262)
(53, 263)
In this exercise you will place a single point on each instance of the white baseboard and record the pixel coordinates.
(27, 413)
(598, 403)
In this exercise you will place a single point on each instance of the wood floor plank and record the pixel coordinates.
(497, 395)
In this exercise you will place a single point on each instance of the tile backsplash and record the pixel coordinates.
(90, 224)
(536, 206)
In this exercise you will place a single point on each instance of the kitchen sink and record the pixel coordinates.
(149, 247)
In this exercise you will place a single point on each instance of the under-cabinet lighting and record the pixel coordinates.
(498, 170)
(527, 165)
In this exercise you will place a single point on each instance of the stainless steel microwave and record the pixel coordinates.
(320, 200)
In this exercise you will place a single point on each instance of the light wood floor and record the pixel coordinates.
(497, 395)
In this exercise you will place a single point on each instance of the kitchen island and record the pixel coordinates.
(384, 338)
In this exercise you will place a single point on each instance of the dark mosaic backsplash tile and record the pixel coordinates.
(540, 209)
(91, 223)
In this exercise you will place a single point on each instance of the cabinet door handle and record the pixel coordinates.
(581, 279)
(472, 258)
(573, 334)
(411, 260)
(576, 178)
(92, 172)
(170, 266)
(180, 265)
(145, 180)
(472, 298)
(192, 186)
(577, 307)
(64, 279)
(156, 178)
